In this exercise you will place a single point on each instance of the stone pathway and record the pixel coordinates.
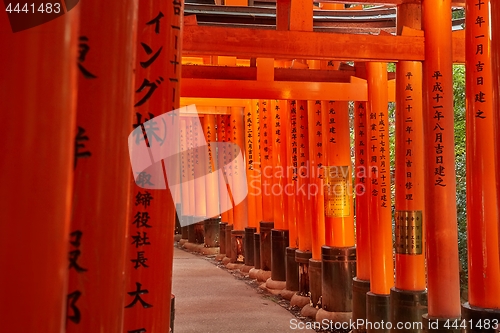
(210, 300)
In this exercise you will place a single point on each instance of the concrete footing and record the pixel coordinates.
(300, 301)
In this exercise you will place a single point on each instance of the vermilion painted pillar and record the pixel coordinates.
(266, 155)
(440, 188)
(238, 140)
(185, 173)
(256, 175)
(339, 221)
(410, 218)
(37, 171)
(212, 227)
(482, 212)
(380, 226)
(316, 158)
(292, 269)
(199, 161)
(151, 225)
(361, 283)
(278, 129)
(304, 252)
(279, 235)
(495, 58)
(228, 155)
(221, 160)
(250, 167)
(102, 168)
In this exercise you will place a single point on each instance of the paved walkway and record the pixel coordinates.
(210, 300)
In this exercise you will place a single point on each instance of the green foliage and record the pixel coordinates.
(460, 166)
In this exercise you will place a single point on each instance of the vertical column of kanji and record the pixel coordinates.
(266, 159)
(238, 181)
(228, 153)
(278, 142)
(192, 201)
(250, 167)
(256, 179)
(101, 183)
(382, 266)
(361, 283)
(38, 89)
(316, 158)
(443, 283)
(279, 235)
(152, 222)
(199, 166)
(250, 153)
(303, 254)
(186, 209)
(409, 205)
(221, 160)
(211, 184)
(292, 268)
(339, 253)
(482, 228)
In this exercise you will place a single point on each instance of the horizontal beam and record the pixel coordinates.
(262, 43)
(250, 73)
(280, 90)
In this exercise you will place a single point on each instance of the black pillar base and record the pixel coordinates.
(256, 250)
(172, 313)
(229, 228)
(249, 242)
(476, 319)
(378, 313)
(292, 270)
(191, 229)
(302, 258)
(265, 245)
(359, 290)
(211, 227)
(315, 282)
(237, 246)
(279, 241)
(440, 325)
(199, 230)
(339, 269)
(407, 307)
(222, 237)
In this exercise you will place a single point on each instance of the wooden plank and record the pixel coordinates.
(242, 42)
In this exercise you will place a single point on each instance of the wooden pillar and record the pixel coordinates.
(228, 158)
(303, 171)
(185, 172)
(199, 160)
(37, 171)
(380, 227)
(102, 168)
(238, 169)
(250, 167)
(495, 59)
(316, 158)
(361, 130)
(292, 156)
(409, 161)
(482, 212)
(256, 175)
(151, 225)
(211, 178)
(266, 155)
(278, 129)
(440, 188)
(339, 220)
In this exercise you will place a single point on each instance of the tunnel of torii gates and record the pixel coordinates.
(87, 244)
